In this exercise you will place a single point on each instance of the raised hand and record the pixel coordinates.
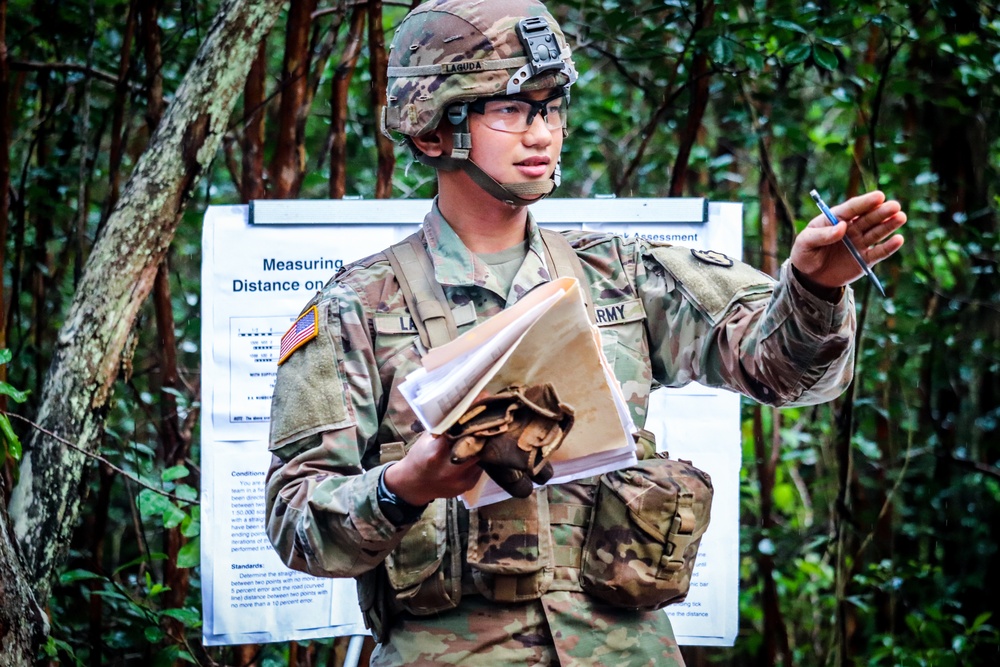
(868, 220)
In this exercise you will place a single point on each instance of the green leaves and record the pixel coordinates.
(825, 57)
(18, 396)
(152, 503)
(189, 555)
(721, 50)
(789, 25)
(797, 53)
(10, 443)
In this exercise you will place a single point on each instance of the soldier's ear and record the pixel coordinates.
(433, 144)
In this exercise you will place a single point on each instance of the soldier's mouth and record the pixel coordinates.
(534, 161)
(534, 167)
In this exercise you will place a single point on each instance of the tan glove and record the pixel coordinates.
(514, 433)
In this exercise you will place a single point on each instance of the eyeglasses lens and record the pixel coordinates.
(514, 115)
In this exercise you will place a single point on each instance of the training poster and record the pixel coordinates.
(261, 263)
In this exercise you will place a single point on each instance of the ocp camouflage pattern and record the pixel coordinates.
(463, 34)
(641, 547)
(668, 319)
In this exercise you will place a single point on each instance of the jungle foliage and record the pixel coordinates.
(870, 524)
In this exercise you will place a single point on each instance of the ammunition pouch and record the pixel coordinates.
(425, 569)
(643, 539)
(510, 548)
(423, 574)
(510, 553)
(372, 598)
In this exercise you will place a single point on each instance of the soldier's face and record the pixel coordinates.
(517, 157)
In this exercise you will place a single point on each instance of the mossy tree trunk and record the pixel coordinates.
(118, 277)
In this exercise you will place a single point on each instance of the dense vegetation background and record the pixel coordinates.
(871, 524)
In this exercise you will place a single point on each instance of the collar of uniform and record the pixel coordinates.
(456, 265)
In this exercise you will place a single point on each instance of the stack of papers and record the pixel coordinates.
(544, 337)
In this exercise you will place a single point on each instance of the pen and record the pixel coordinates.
(847, 242)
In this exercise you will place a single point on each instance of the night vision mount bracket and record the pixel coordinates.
(541, 48)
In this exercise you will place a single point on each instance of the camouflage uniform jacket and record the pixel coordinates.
(666, 318)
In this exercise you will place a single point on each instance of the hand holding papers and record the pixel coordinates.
(545, 338)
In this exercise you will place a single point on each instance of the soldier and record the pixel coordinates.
(480, 91)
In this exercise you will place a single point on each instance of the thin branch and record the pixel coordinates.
(650, 127)
(341, 9)
(615, 61)
(98, 457)
(647, 135)
(877, 104)
(91, 72)
(984, 468)
(892, 494)
(765, 157)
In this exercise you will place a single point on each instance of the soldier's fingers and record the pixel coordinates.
(858, 206)
(881, 230)
(876, 216)
(877, 253)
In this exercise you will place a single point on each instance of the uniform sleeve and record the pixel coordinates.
(322, 515)
(727, 325)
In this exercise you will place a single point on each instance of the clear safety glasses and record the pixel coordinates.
(515, 114)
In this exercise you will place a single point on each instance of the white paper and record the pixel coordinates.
(258, 292)
(257, 592)
(248, 594)
(433, 394)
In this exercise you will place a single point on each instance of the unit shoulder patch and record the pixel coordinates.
(301, 332)
(711, 279)
(713, 257)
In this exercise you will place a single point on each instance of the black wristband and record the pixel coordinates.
(395, 509)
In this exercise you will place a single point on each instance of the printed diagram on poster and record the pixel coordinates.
(260, 266)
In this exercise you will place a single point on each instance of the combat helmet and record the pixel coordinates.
(448, 53)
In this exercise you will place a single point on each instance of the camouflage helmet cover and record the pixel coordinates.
(448, 51)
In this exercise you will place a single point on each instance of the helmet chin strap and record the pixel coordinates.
(513, 194)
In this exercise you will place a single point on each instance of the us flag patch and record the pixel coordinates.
(304, 330)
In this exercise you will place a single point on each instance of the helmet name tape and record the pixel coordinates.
(541, 49)
(454, 68)
(451, 68)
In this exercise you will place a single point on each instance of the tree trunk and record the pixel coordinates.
(117, 279)
(696, 108)
(378, 61)
(338, 105)
(254, 96)
(288, 164)
(22, 624)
